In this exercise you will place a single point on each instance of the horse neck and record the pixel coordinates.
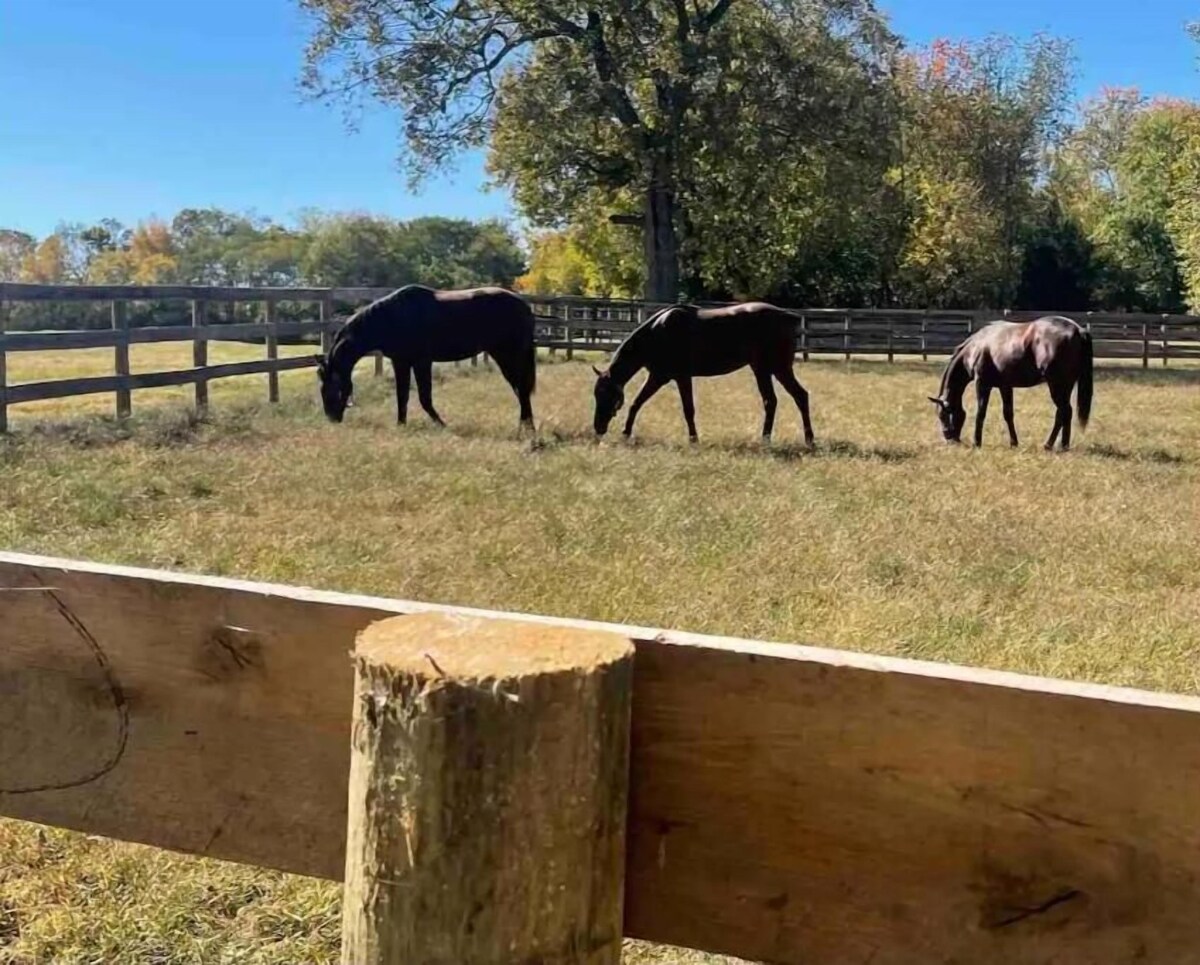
(955, 379)
(346, 351)
(628, 360)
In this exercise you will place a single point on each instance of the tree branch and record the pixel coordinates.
(714, 15)
(615, 95)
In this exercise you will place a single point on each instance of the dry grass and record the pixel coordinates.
(884, 539)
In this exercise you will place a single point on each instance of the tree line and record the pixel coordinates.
(797, 150)
(214, 247)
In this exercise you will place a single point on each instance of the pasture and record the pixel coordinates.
(1085, 565)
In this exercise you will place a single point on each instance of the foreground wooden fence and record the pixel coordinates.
(786, 804)
(581, 325)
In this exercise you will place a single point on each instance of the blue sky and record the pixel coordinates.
(133, 108)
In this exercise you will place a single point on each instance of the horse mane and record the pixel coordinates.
(633, 342)
(956, 360)
(353, 328)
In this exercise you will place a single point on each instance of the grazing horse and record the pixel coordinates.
(417, 326)
(1008, 355)
(683, 341)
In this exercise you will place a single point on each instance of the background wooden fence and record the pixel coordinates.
(582, 325)
(787, 804)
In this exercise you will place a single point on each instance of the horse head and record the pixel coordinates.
(336, 389)
(951, 416)
(609, 398)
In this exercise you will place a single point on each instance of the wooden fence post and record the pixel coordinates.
(846, 336)
(924, 340)
(120, 324)
(200, 355)
(804, 337)
(1145, 345)
(570, 345)
(891, 339)
(272, 349)
(325, 314)
(1166, 351)
(3, 367)
(489, 776)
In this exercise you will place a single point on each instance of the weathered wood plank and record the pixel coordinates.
(154, 293)
(59, 341)
(120, 324)
(3, 368)
(63, 388)
(272, 346)
(494, 775)
(788, 803)
(200, 352)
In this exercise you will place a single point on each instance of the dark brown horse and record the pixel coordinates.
(417, 326)
(683, 341)
(1009, 355)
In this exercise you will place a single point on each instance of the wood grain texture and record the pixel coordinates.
(788, 804)
(272, 346)
(200, 352)
(489, 778)
(120, 323)
(3, 369)
(63, 388)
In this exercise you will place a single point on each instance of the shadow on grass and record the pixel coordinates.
(1135, 374)
(1158, 456)
(158, 431)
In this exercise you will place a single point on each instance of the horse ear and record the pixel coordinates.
(938, 402)
(599, 374)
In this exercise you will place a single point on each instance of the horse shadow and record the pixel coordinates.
(1158, 456)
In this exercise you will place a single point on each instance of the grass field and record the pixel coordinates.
(1085, 565)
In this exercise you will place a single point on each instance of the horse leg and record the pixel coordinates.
(510, 368)
(1006, 397)
(689, 405)
(403, 373)
(1063, 401)
(653, 384)
(1058, 419)
(423, 371)
(983, 392)
(766, 389)
(787, 378)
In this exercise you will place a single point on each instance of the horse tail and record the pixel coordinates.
(1083, 392)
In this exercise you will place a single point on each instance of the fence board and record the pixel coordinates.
(788, 804)
(63, 388)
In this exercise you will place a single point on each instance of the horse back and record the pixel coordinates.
(714, 341)
(1023, 353)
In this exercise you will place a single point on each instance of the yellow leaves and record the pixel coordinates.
(150, 259)
(48, 263)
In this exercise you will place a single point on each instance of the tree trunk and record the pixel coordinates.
(662, 242)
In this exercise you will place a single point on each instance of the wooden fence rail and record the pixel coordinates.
(567, 324)
(787, 804)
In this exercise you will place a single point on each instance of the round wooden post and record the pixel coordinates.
(488, 787)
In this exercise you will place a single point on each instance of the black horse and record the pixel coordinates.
(1008, 355)
(416, 326)
(683, 341)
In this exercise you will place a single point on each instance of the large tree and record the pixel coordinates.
(604, 97)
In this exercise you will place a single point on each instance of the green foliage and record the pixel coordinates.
(593, 257)
(977, 120)
(442, 252)
(214, 247)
